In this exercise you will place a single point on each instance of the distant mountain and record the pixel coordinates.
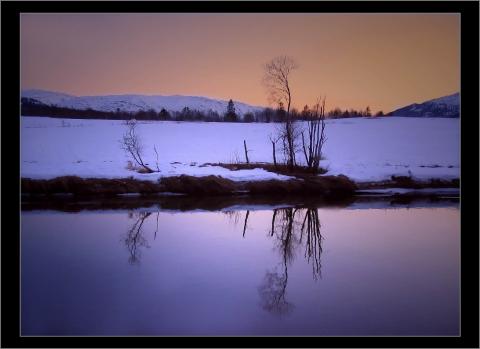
(32, 101)
(444, 107)
(134, 103)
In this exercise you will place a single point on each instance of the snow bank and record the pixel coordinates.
(375, 149)
(362, 149)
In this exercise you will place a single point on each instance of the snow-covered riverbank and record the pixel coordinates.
(362, 149)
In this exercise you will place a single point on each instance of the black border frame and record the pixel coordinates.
(10, 177)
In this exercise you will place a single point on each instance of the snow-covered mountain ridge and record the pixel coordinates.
(133, 102)
(447, 106)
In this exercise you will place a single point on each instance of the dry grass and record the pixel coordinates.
(208, 185)
(198, 186)
(321, 186)
(408, 182)
(88, 186)
(298, 171)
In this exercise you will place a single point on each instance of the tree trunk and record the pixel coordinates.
(307, 160)
(290, 143)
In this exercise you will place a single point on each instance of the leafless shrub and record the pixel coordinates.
(156, 162)
(235, 158)
(316, 138)
(132, 145)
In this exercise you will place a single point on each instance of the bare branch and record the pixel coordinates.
(316, 136)
(132, 144)
(277, 83)
(156, 153)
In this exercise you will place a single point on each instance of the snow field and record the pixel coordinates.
(362, 149)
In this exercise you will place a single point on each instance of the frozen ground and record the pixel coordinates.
(362, 149)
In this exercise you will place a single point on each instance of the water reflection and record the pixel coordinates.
(291, 228)
(135, 238)
(272, 293)
(233, 216)
(245, 223)
(313, 243)
(255, 270)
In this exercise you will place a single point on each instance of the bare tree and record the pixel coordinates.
(132, 144)
(277, 82)
(316, 137)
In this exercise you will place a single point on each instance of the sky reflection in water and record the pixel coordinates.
(268, 272)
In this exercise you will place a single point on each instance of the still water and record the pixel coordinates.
(368, 269)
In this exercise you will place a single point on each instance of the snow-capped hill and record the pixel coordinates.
(134, 103)
(47, 97)
(446, 107)
(448, 100)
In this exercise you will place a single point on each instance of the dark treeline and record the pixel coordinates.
(32, 107)
(338, 113)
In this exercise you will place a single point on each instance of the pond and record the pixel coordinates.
(366, 268)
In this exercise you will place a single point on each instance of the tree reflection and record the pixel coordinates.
(313, 245)
(245, 223)
(290, 231)
(232, 216)
(272, 293)
(134, 238)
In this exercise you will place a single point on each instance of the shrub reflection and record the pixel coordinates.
(291, 228)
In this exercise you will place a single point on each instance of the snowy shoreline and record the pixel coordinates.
(364, 150)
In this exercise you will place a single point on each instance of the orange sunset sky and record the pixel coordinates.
(384, 61)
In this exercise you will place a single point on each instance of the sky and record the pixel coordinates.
(384, 61)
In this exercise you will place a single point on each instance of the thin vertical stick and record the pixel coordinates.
(245, 223)
(246, 151)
